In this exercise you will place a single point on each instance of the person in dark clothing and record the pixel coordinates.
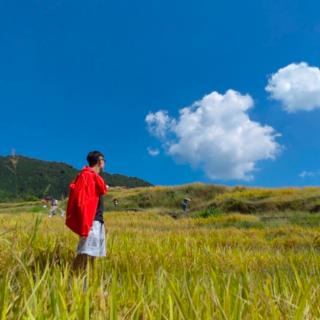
(115, 203)
(185, 204)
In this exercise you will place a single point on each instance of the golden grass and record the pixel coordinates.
(263, 193)
(160, 268)
(226, 199)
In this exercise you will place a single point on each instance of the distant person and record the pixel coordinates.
(115, 203)
(185, 204)
(85, 211)
(54, 206)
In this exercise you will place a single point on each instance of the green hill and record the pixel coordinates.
(27, 179)
(210, 199)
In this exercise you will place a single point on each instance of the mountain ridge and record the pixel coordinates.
(28, 178)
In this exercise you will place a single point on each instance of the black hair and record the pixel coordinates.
(93, 157)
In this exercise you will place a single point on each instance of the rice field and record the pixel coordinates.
(229, 266)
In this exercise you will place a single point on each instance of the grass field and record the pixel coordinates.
(226, 266)
(226, 199)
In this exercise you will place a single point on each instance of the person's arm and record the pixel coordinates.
(101, 185)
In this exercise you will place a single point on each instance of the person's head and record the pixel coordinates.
(96, 160)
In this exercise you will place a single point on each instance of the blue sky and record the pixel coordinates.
(83, 75)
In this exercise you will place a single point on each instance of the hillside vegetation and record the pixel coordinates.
(30, 179)
(206, 199)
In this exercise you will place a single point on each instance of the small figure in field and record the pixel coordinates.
(85, 211)
(54, 206)
(185, 204)
(115, 203)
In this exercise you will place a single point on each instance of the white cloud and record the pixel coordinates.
(153, 152)
(296, 86)
(309, 174)
(159, 123)
(216, 135)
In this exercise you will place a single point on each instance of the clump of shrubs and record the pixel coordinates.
(208, 212)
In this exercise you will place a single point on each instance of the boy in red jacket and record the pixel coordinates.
(85, 211)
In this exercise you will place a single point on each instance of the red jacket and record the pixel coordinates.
(85, 191)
